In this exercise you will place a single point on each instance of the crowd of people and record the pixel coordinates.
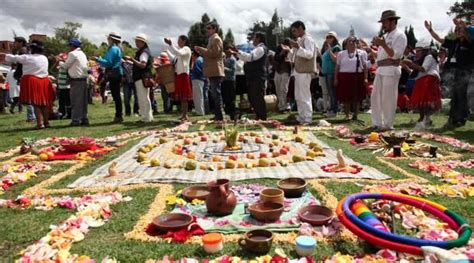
(344, 76)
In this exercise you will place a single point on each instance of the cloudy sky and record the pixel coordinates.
(162, 18)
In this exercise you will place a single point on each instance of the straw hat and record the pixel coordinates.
(388, 14)
(142, 37)
(332, 34)
(115, 36)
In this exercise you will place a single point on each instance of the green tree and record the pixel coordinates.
(411, 39)
(229, 38)
(197, 32)
(462, 9)
(272, 36)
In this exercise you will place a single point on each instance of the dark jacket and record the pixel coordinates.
(139, 73)
(257, 69)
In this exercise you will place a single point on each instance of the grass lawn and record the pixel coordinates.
(21, 227)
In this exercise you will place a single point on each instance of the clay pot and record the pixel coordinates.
(266, 212)
(293, 186)
(172, 221)
(316, 215)
(272, 195)
(257, 241)
(221, 201)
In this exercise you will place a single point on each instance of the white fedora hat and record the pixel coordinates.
(115, 36)
(142, 37)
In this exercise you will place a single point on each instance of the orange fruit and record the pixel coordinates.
(43, 156)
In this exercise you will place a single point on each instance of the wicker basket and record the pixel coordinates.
(167, 76)
(271, 102)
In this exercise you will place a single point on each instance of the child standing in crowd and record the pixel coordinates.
(426, 96)
(14, 90)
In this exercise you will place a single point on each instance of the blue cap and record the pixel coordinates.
(75, 42)
(306, 242)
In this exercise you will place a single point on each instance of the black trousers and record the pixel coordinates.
(114, 85)
(15, 102)
(64, 101)
(228, 97)
(256, 92)
(459, 110)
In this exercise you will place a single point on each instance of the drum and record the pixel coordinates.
(271, 102)
(167, 75)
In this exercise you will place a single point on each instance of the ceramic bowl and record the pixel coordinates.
(315, 215)
(272, 195)
(199, 192)
(292, 187)
(172, 221)
(266, 211)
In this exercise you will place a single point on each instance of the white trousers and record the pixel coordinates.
(303, 97)
(144, 104)
(198, 96)
(383, 100)
(281, 86)
(324, 89)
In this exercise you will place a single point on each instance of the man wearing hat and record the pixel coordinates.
(112, 62)
(76, 66)
(142, 69)
(328, 67)
(391, 47)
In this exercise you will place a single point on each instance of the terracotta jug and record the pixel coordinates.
(221, 201)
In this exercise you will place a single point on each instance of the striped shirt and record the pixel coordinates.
(63, 82)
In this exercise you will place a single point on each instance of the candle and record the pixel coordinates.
(213, 242)
(433, 150)
(397, 151)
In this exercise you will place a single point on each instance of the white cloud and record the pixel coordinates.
(172, 18)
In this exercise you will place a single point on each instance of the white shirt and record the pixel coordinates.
(76, 64)
(182, 56)
(308, 49)
(144, 57)
(348, 62)
(254, 55)
(431, 67)
(397, 40)
(239, 68)
(13, 83)
(33, 64)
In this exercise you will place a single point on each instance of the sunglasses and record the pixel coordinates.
(209, 28)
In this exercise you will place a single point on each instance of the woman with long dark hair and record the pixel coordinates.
(36, 89)
(112, 62)
(426, 95)
(181, 54)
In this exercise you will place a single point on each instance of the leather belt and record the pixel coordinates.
(388, 62)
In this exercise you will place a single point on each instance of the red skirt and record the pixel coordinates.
(183, 90)
(36, 91)
(350, 87)
(426, 95)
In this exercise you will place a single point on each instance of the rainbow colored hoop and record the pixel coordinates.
(354, 215)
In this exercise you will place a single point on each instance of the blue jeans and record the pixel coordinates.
(333, 105)
(30, 113)
(205, 91)
(167, 106)
(129, 90)
(215, 90)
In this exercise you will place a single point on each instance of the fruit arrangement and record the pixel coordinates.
(80, 144)
(230, 150)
